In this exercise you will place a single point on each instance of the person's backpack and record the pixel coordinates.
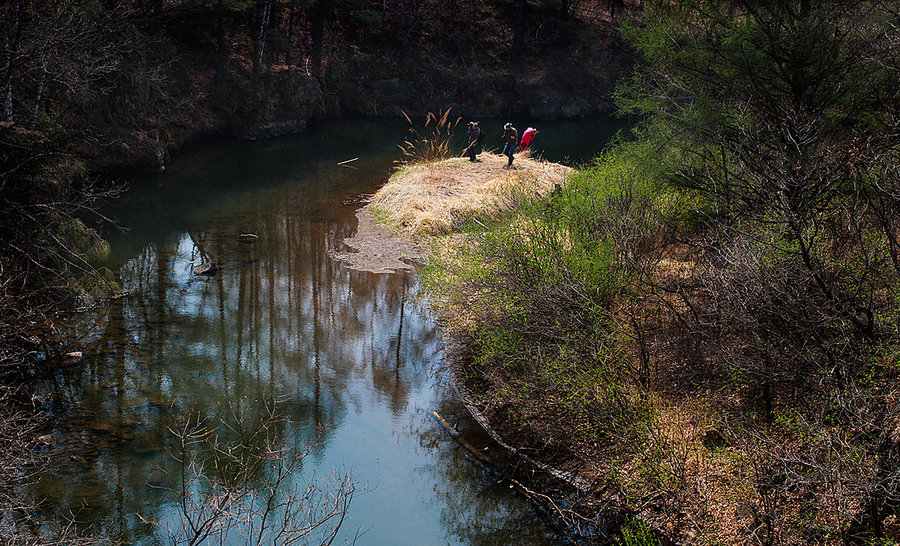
(480, 137)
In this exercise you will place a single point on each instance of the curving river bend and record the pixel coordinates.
(353, 359)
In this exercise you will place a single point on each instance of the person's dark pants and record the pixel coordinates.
(472, 152)
(508, 151)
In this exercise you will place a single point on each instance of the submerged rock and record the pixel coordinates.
(207, 269)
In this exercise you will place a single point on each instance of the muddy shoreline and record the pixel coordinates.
(376, 249)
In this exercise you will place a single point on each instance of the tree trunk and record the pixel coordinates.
(881, 500)
(519, 32)
(290, 36)
(613, 4)
(7, 104)
(317, 34)
(221, 52)
(11, 41)
(260, 42)
(40, 92)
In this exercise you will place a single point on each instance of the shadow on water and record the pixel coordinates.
(354, 362)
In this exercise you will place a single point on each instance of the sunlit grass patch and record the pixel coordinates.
(435, 198)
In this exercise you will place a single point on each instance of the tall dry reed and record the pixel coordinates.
(433, 142)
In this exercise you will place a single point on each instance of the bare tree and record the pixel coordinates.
(235, 477)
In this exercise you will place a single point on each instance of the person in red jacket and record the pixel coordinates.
(527, 137)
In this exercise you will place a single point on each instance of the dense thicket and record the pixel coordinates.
(714, 306)
(784, 120)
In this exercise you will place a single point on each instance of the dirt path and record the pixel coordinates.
(377, 249)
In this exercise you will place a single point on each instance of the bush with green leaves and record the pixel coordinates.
(743, 250)
(538, 295)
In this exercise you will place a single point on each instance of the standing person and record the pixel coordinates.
(527, 137)
(511, 142)
(475, 139)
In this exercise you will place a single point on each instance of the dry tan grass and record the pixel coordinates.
(430, 198)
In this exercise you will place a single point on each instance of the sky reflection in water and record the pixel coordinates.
(352, 357)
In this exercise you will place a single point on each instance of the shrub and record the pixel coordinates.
(539, 296)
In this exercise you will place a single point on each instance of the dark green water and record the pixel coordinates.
(355, 363)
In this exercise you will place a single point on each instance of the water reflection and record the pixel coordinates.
(353, 360)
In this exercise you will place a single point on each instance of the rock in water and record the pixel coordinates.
(209, 269)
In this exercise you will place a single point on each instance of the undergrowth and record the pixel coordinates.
(538, 292)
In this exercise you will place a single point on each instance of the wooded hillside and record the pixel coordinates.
(705, 322)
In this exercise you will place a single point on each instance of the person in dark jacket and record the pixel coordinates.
(511, 142)
(475, 139)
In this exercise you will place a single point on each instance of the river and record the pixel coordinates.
(353, 360)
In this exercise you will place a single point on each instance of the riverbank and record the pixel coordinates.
(594, 330)
(705, 323)
(548, 333)
(124, 88)
(114, 90)
(430, 213)
(328, 340)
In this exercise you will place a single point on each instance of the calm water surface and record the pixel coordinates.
(354, 361)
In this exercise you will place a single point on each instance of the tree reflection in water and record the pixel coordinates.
(351, 358)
